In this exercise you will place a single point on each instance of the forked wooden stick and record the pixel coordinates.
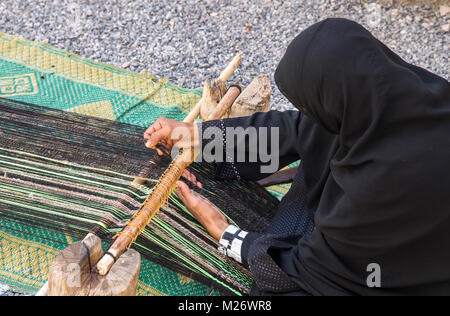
(224, 76)
(158, 197)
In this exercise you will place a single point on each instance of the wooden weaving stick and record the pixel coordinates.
(159, 195)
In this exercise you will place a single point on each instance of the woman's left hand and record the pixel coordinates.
(204, 211)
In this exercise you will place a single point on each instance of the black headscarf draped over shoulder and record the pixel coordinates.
(376, 154)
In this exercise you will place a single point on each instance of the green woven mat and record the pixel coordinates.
(40, 74)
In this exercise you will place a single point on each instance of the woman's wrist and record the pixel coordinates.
(222, 227)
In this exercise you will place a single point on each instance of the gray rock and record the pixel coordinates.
(3, 289)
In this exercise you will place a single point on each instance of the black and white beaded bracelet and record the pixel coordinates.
(231, 242)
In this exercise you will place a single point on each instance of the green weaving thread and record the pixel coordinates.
(59, 89)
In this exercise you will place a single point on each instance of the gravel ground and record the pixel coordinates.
(5, 291)
(188, 41)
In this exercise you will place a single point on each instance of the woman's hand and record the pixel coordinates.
(204, 211)
(171, 133)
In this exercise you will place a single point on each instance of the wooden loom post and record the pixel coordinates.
(159, 195)
(71, 272)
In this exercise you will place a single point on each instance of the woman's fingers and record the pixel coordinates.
(169, 133)
(185, 194)
(161, 135)
(192, 178)
(189, 176)
(159, 151)
(159, 124)
(156, 133)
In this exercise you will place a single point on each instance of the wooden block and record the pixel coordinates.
(71, 273)
(211, 98)
(121, 280)
(255, 98)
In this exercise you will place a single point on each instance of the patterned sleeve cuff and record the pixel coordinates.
(226, 169)
(231, 242)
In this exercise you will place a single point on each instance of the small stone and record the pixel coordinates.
(126, 65)
(444, 10)
(446, 27)
(3, 289)
(392, 43)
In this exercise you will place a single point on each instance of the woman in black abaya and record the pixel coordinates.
(373, 135)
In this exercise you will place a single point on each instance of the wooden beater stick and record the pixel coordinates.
(157, 198)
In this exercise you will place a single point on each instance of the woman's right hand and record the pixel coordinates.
(169, 133)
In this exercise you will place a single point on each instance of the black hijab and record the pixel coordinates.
(375, 148)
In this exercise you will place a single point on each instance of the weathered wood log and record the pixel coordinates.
(72, 272)
(211, 98)
(255, 98)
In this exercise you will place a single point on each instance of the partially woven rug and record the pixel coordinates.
(35, 73)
